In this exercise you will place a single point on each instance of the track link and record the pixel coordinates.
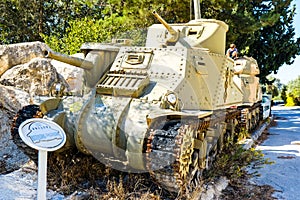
(171, 159)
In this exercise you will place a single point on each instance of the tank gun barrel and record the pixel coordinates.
(174, 33)
(78, 62)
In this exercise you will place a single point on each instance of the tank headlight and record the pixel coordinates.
(172, 99)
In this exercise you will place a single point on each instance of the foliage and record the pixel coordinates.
(277, 98)
(87, 30)
(290, 101)
(279, 87)
(24, 21)
(14, 22)
(272, 89)
(294, 87)
(275, 43)
(275, 91)
(262, 29)
(293, 91)
(232, 161)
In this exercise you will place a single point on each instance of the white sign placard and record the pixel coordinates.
(42, 134)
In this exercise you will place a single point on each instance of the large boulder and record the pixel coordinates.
(73, 75)
(36, 77)
(24, 74)
(11, 158)
(12, 99)
(20, 53)
(23, 66)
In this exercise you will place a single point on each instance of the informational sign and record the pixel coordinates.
(43, 135)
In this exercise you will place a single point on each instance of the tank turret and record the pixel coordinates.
(246, 70)
(198, 33)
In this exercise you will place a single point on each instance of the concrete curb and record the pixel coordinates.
(214, 190)
(255, 135)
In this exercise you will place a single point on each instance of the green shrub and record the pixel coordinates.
(290, 101)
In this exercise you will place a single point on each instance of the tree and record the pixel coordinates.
(19, 21)
(262, 29)
(275, 43)
(88, 30)
(24, 21)
(293, 90)
(284, 94)
(121, 19)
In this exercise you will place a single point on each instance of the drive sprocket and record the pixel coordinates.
(186, 150)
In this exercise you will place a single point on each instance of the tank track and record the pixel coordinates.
(173, 159)
(179, 170)
(27, 112)
(164, 143)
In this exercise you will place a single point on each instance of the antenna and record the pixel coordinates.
(197, 9)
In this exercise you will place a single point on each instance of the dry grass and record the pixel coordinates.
(74, 172)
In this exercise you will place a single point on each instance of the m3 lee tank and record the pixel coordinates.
(166, 108)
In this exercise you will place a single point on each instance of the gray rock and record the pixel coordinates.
(36, 77)
(16, 54)
(25, 75)
(214, 189)
(11, 158)
(72, 75)
(12, 99)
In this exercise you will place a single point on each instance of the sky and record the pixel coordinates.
(287, 73)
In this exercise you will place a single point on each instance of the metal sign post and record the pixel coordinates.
(43, 135)
(42, 174)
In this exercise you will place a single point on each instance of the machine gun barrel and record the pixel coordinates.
(175, 34)
(78, 62)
